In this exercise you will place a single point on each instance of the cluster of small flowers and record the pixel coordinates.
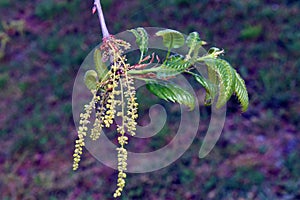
(100, 111)
(112, 46)
(122, 167)
(128, 121)
(111, 102)
(84, 121)
(107, 104)
(122, 139)
(132, 106)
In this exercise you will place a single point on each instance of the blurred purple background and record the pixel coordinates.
(43, 44)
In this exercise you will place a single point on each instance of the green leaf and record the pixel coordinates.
(90, 79)
(213, 80)
(141, 39)
(177, 63)
(226, 79)
(208, 86)
(193, 40)
(241, 91)
(213, 50)
(195, 43)
(174, 65)
(171, 38)
(100, 66)
(171, 92)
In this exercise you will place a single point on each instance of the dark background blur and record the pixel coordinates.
(42, 46)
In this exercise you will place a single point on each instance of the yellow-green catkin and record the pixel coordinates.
(129, 115)
(97, 127)
(121, 151)
(132, 107)
(82, 130)
(122, 167)
(110, 106)
(117, 92)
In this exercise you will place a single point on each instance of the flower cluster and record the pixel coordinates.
(113, 48)
(132, 107)
(122, 166)
(82, 130)
(116, 93)
(111, 102)
(128, 106)
(100, 111)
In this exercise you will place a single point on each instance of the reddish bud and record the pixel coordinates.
(94, 9)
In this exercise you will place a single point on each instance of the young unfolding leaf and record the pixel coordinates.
(141, 40)
(171, 38)
(173, 66)
(213, 50)
(226, 79)
(100, 66)
(209, 87)
(193, 39)
(213, 80)
(90, 79)
(171, 92)
(241, 91)
(177, 63)
(194, 42)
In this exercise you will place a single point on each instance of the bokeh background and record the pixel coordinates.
(43, 43)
